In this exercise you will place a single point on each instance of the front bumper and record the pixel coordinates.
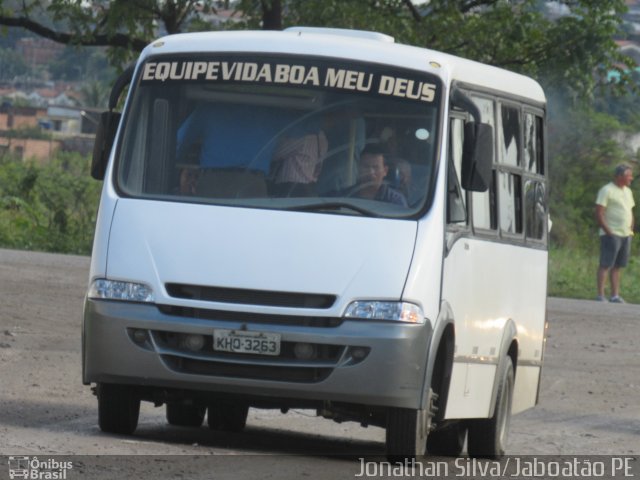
(391, 374)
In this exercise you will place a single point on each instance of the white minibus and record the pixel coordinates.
(320, 219)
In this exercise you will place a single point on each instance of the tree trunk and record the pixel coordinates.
(271, 14)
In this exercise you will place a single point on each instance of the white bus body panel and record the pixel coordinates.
(353, 258)
(485, 286)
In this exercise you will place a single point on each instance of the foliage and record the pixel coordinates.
(27, 132)
(625, 106)
(561, 52)
(49, 208)
(583, 152)
(572, 273)
(12, 64)
(94, 94)
(124, 26)
(76, 63)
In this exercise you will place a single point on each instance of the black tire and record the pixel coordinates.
(488, 437)
(406, 435)
(227, 416)
(185, 415)
(118, 409)
(447, 441)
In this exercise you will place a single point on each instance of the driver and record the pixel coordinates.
(371, 184)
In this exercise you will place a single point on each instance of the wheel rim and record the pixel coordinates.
(504, 413)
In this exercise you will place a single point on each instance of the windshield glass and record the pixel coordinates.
(281, 133)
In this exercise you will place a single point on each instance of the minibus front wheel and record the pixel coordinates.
(227, 416)
(118, 408)
(406, 434)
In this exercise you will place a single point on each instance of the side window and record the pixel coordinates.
(509, 135)
(533, 157)
(535, 209)
(456, 196)
(515, 205)
(509, 168)
(484, 203)
(510, 195)
(535, 192)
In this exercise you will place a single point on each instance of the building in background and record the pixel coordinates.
(38, 51)
(33, 133)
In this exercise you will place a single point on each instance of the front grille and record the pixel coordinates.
(250, 297)
(170, 341)
(285, 367)
(244, 317)
(254, 372)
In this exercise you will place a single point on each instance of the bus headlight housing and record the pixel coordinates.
(390, 311)
(117, 290)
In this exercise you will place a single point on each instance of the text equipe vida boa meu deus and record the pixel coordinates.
(280, 73)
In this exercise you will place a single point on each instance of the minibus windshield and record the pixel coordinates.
(286, 132)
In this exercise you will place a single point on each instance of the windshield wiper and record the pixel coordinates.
(333, 207)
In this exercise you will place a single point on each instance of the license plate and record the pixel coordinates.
(243, 341)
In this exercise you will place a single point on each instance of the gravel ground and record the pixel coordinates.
(589, 400)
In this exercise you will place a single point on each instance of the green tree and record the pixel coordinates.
(625, 106)
(77, 63)
(51, 207)
(94, 94)
(584, 151)
(12, 64)
(124, 26)
(563, 52)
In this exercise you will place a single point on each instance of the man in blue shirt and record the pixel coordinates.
(372, 170)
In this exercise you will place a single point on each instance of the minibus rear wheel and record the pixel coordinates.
(185, 415)
(227, 416)
(488, 437)
(118, 408)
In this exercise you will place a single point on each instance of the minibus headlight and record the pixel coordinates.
(394, 311)
(116, 290)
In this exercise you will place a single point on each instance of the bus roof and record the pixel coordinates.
(354, 45)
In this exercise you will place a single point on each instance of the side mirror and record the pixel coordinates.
(105, 134)
(477, 156)
(108, 125)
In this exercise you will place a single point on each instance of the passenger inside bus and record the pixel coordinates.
(297, 160)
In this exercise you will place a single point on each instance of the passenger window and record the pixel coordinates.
(484, 208)
(535, 211)
(509, 186)
(533, 159)
(485, 105)
(509, 136)
(484, 203)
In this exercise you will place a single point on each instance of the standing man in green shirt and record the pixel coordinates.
(614, 214)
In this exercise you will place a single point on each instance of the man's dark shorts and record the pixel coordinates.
(614, 251)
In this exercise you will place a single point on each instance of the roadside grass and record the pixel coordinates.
(572, 274)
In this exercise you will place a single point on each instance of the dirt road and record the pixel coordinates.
(589, 403)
